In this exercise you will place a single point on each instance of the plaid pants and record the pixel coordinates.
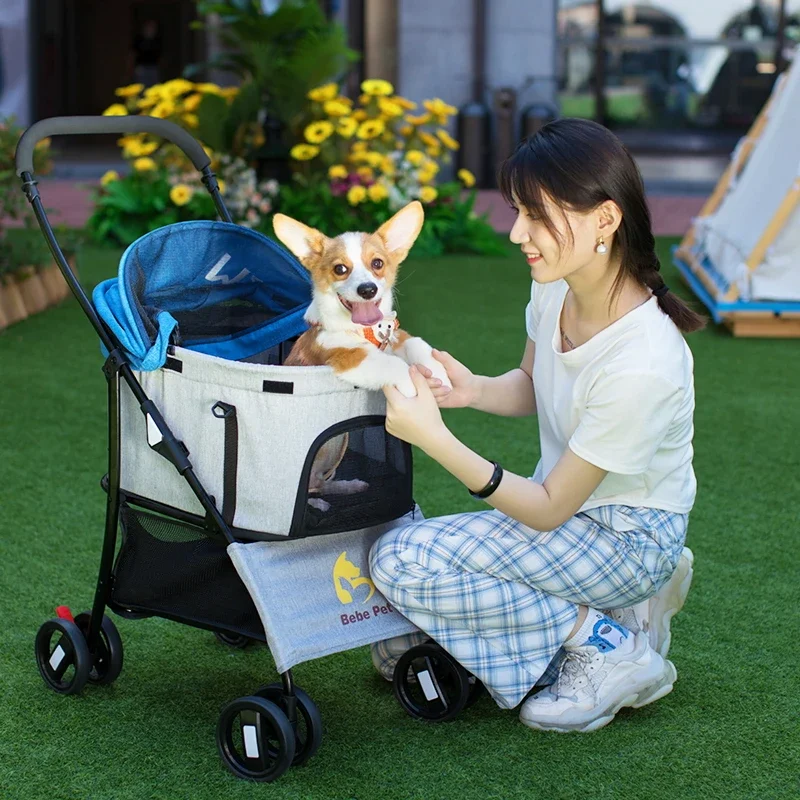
(502, 598)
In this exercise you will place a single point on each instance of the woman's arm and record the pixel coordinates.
(507, 395)
(539, 506)
(418, 420)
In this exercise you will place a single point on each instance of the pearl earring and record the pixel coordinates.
(601, 247)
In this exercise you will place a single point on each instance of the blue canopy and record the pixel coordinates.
(214, 287)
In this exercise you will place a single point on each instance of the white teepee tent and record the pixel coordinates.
(742, 253)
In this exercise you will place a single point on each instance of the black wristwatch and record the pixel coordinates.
(494, 482)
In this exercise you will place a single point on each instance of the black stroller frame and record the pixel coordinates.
(261, 735)
(89, 642)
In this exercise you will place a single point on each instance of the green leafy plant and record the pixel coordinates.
(278, 58)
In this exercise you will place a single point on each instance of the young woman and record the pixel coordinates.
(571, 579)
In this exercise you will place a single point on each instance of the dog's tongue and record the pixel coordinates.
(366, 313)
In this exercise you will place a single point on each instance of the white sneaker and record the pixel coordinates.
(593, 686)
(653, 616)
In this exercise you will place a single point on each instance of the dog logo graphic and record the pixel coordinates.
(346, 572)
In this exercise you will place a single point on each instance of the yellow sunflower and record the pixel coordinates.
(166, 108)
(428, 194)
(318, 132)
(336, 108)
(409, 105)
(208, 88)
(415, 157)
(109, 177)
(304, 152)
(322, 93)
(370, 128)
(116, 110)
(191, 120)
(192, 102)
(466, 177)
(420, 119)
(377, 192)
(447, 140)
(144, 164)
(389, 107)
(356, 195)
(440, 110)
(337, 171)
(346, 127)
(377, 88)
(366, 173)
(178, 86)
(129, 91)
(180, 194)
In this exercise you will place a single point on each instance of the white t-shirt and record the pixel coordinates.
(623, 401)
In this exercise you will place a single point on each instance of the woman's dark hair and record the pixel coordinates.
(579, 164)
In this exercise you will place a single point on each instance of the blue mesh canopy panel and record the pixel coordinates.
(214, 287)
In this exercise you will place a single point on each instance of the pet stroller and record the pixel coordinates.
(211, 444)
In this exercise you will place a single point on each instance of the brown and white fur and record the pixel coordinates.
(353, 277)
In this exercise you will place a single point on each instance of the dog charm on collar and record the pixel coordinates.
(382, 334)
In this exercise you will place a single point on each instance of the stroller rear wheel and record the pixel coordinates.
(255, 739)
(431, 685)
(308, 725)
(233, 639)
(107, 656)
(63, 656)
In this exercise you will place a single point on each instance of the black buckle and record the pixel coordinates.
(113, 363)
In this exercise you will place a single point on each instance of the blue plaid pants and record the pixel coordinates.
(502, 598)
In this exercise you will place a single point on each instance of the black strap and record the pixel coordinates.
(230, 459)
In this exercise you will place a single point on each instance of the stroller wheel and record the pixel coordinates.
(107, 657)
(255, 739)
(430, 684)
(63, 656)
(308, 728)
(233, 639)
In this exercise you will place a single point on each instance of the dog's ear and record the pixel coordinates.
(400, 232)
(300, 239)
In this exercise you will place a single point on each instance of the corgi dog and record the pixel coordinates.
(353, 325)
(354, 329)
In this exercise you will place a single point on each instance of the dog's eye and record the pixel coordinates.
(340, 269)
(377, 263)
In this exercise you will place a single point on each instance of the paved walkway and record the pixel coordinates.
(69, 202)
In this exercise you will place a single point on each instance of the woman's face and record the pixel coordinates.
(551, 258)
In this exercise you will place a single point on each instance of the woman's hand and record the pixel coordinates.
(464, 389)
(416, 420)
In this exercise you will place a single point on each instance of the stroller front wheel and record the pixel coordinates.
(63, 656)
(255, 739)
(308, 725)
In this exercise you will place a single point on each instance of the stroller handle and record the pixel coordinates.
(56, 126)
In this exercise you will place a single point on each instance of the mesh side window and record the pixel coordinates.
(356, 475)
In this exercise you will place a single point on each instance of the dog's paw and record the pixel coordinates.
(406, 387)
(318, 503)
(438, 371)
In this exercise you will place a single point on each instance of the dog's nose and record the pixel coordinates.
(367, 290)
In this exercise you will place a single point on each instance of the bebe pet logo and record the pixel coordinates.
(347, 572)
(214, 273)
(360, 616)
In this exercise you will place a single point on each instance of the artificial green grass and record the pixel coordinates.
(728, 730)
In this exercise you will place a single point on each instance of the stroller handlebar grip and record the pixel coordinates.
(56, 126)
